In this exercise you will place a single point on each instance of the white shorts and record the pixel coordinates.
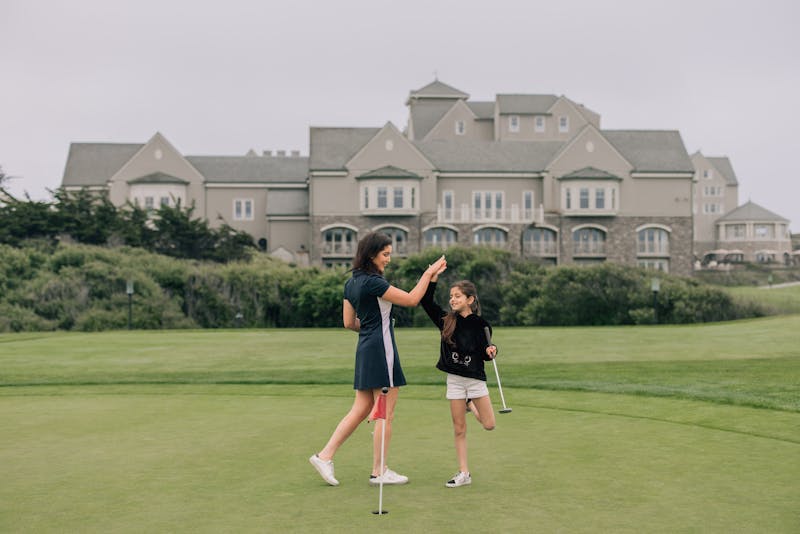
(461, 387)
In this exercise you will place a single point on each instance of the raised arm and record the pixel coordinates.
(397, 296)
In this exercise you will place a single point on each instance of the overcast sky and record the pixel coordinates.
(223, 77)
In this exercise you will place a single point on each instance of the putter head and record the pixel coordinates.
(505, 410)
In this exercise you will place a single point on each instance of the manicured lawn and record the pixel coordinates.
(640, 429)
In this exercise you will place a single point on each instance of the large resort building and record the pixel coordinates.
(532, 174)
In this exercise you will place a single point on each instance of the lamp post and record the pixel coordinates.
(129, 291)
(655, 286)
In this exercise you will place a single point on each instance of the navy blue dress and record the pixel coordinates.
(377, 361)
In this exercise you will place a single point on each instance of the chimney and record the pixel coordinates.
(267, 153)
(281, 153)
(295, 153)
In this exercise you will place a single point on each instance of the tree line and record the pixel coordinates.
(90, 218)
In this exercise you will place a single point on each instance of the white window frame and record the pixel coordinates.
(735, 231)
(432, 237)
(589, 246)
(513, 123)
(655, 242)
(382, 201)
(563, 124)
(528, 206)
(768, 233)
(243, 209)
(448, 212)
(600, 196)
(383, 197)
(584, 197)
(491, 212)
(493, 232)
(339, 244)
(539, 124)
(398, 195)
(540, 241)
(461, 127)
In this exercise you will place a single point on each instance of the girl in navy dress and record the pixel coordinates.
(463, 350)
(366, 309)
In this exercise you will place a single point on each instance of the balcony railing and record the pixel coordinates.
(467, 214)
(338, 249)
(589, 248)
(540, 248)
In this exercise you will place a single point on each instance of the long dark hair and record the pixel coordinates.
(449, 326)
(368, 247)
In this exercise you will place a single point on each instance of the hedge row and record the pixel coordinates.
(83, 287)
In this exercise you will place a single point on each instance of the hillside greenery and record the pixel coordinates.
(46, 286)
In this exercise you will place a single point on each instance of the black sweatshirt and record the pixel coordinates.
(467, 356)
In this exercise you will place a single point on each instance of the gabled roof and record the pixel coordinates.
(93, 164)
(589, 173)
(427, 114)
(751, 212)
(437, 89)
(467, 155)
(158, 178)
(389, 171)
(251, 169)
(331, 148)
(482, 110)
(651, 150)
(525, 104)
(723, 165)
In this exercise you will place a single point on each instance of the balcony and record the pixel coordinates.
(540, 248)
(465, 214)
(339, 249)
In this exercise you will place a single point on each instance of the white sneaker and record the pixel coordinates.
(388, 477)
(459, 479)
(324, 468)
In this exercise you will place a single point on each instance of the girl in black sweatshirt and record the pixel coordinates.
(464, 348)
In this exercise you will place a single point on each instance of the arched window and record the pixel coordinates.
(491, 236)
(440, 237)
(399, 239)
(539, 242)
(339, 241)
(653, 241)
(589, 241)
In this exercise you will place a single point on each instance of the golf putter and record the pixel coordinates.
(505, 409)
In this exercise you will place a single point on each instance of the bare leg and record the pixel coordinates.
(359, 411)
(460, 432)
(484, 412)
(391, 402)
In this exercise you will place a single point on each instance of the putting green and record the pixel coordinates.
(214, 458)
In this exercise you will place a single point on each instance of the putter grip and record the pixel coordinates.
(488, 334)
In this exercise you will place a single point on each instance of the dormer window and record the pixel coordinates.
(513, 123)
(461, 128)
(538, 124)
(708, 174)
(563, 124)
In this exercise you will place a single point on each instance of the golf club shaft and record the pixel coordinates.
(499, 387)
(496, 373)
